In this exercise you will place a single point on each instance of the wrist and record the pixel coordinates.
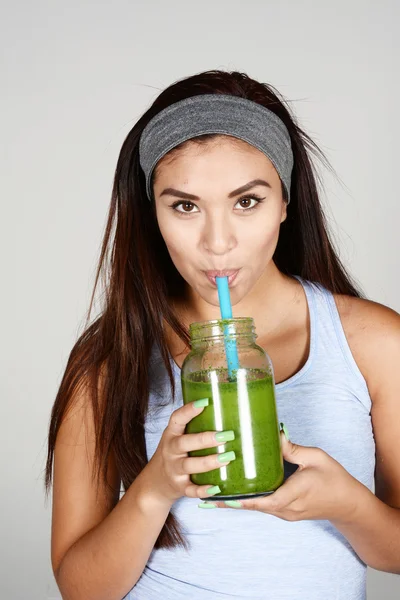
(149, 496)
(360, 501)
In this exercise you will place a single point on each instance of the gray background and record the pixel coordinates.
(75, 77)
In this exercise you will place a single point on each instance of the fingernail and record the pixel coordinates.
(285, 431)
(233, 503)
(215, 489)
(226, 456)
(225, 436)
(201, 402)
(207, 505)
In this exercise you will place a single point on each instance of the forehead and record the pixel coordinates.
(204, 150)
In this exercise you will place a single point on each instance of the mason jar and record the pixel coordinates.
(242, 400)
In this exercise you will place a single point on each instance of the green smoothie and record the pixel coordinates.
(248, 408)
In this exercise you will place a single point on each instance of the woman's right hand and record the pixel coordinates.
(170, 467)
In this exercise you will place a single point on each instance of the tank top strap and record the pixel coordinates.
(328, 339)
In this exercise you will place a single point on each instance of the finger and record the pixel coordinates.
(202, 491)
(222, 504)
(183, 415)
(203, 464)
(200, 441)
(304, 456)
(274, 503)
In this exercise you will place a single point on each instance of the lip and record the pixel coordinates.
(230, 273)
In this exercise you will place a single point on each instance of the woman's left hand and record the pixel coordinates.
(320, 488)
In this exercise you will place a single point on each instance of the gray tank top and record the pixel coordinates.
(246, 554)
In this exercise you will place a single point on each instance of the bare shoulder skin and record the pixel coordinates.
(373, 333)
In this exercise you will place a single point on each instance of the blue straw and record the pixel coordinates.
(232, 358)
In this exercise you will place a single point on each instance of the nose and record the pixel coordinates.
(218, 236)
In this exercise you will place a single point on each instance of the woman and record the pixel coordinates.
(216, 179)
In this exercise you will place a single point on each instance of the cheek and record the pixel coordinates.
(178, 240)
(261, 235)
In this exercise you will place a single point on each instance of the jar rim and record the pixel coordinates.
(198, 329)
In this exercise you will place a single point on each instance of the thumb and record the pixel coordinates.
(294, 453)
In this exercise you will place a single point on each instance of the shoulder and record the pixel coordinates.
(373, 333)
(368, 320)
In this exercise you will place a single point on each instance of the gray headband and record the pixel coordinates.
(217, 113)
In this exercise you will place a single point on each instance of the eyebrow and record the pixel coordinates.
(240, 190)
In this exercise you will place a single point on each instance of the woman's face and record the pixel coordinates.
(210, 225)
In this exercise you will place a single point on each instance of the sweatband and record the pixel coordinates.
(217, 113)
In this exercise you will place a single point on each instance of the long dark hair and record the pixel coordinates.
(140, 280)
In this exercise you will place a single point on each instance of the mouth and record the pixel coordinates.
(230, 273)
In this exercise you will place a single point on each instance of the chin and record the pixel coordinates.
(212, 298)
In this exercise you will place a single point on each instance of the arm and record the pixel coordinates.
(321, 488)
(100, 545)
(374, 528)
(107, 561)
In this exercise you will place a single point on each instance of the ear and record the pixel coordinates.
(284, 211)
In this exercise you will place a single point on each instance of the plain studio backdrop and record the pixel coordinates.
(75, 77)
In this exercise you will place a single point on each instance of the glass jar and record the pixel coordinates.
(242, 400)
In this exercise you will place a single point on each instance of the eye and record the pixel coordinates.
(185, 205)
(248, 203)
